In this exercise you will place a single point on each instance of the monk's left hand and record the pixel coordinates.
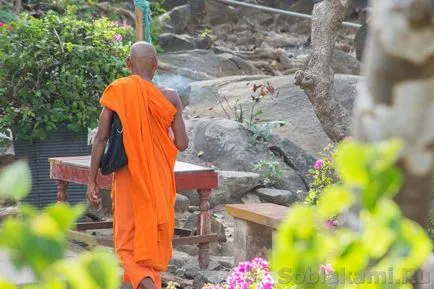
(93, 194)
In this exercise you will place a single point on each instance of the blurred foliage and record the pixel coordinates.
(54, 70)
(38, 239)
(376, 248)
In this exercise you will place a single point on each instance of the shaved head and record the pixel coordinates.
(142, 58)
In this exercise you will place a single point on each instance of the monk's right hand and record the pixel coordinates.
(93, 194)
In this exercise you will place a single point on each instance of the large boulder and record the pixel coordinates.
(205, 64)
(228, 145)
(302, 128)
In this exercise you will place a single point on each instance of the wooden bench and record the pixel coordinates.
(254, 228)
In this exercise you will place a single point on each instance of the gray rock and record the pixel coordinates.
(179, 259)
(181, 203)
(191, 250)
(191, 222)
(180, 84)
(176, 20)
(170, 42)
(279, 197)
(193, 196)
(219, 196)
(292, 106)
(170, 4)
(238, 183)
(192, 268)
(228, 145)
(179, 18)
(205, 64)
(207, 276)
(228, 249)
(224, 261)
(344, 63)
(251, 199)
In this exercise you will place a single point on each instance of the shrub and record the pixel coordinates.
(378, 241)
(53, 71)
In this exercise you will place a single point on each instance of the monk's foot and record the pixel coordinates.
(147, 283)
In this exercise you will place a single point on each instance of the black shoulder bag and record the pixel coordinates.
(114, 156)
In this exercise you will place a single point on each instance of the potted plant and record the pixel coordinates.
(53, 71)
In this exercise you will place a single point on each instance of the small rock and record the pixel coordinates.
(191, 222)
(192, 268)
(182, 203)
(228, 249)
(238, 183)
(219, 197)
(180, 258)
(193, 209)
(219, 228)
(193, 196)
(251, 199)
(191, 250)
(213, 277)
(224, 261)
(279, 197)
(172, 42)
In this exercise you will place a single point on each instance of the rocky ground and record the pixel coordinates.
(214, 67)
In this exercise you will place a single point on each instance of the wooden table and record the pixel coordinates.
(188, 177)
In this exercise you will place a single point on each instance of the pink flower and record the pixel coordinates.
(318, 164)
(330, 224)
(327, 268)
(117, 37)
(1, 24)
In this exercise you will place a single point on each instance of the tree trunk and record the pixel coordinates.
(318, 79)
(396, 98)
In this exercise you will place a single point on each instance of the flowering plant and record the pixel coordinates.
(323, 174)
(54, 69)
(249, 274)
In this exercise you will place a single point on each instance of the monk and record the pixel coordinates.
(143, 191)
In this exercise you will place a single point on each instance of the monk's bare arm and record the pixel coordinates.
(178, 125)
(98, 147)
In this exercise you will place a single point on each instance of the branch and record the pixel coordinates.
(318, 79)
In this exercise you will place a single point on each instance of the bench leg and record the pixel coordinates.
(62, 194)
(251, 240)
(204, 227)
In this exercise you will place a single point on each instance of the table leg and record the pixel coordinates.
(62, 194)
(204, 227)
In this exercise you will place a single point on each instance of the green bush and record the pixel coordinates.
(37, 240)
(377, 248)
(54, 69)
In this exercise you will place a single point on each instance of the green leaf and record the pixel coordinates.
(334, 201)
(351, 158)
(15, 181)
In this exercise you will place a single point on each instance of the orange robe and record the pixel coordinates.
(143, 192)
